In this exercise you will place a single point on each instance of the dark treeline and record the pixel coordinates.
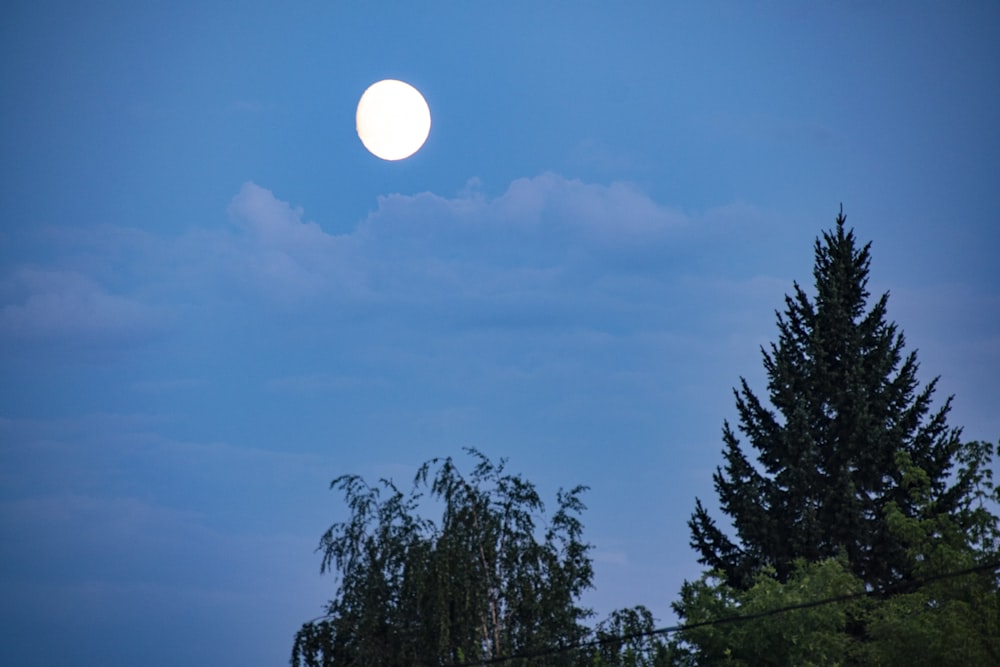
(852, 502)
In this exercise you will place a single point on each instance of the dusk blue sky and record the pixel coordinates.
(213, 300)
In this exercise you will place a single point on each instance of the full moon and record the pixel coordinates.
(393, 119)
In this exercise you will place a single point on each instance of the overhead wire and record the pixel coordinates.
(738, 618)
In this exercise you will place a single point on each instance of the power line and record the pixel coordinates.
(739, 618)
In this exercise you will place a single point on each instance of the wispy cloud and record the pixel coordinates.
(610, 557)
(65, 305)
(547, 251)
(170, 385)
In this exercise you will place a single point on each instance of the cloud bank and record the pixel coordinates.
(55, 304)
(540, 230)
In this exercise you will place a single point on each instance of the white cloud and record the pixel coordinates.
(590, 214)
(544, 246)
(68, 305)
(279, 252)
(537, 235)
(275, 223)
(604, 213)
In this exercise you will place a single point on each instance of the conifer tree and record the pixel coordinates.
(845, 408)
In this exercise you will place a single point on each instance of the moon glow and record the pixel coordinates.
(393, 119)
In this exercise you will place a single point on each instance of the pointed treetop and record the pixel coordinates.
(819, 465)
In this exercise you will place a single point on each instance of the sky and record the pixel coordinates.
(213, 300)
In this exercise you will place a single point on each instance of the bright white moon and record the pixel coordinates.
(393, 119)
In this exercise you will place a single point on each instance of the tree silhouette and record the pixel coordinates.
(487, 580)
(844, 404)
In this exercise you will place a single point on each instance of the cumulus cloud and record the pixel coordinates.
(526, 251)
(47, 304)
(540, 233)
(603, 213)
(275, 223)
(588, 214)
(278, 251)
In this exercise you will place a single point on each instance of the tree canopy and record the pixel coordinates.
(492, 577)
(863, 525)
(844, 404)
(853, 488)
(823, 614)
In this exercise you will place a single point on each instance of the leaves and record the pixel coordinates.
(484, 580)
(805, 636)
(852, 489)
(821, 468)
(852, 507)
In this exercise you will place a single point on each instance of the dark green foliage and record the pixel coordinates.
(944, 620)
(935, 618)
(858, 491)
(845, 402)
(807, 636)
(626, 639)
(488, 579)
